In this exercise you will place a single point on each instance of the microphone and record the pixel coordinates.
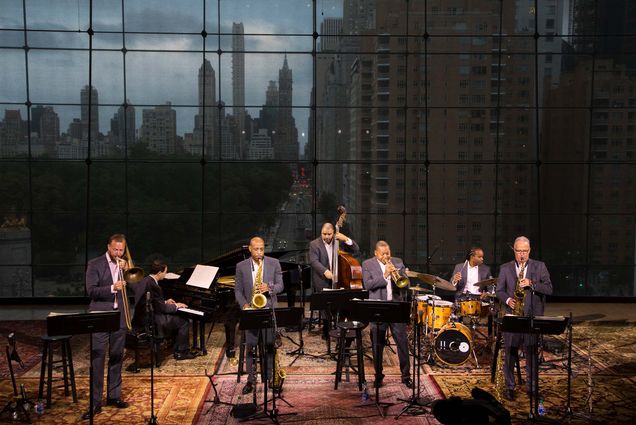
(13, 352)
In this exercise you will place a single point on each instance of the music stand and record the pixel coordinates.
(258, 320)
(337, 300)
(83, 323)
(379, 311)
(534, 325)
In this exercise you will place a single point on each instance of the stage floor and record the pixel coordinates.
(607, 331)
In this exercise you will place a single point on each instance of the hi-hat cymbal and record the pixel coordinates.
(419, 289)
(432, 280)
(486, 283)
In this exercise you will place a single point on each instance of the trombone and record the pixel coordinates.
(131, 276)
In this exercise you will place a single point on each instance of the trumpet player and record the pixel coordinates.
(105, 286)
(249, 272)
(533, 277)
(379, 275)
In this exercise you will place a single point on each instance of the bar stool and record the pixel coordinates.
(350, 330)
(49, 343)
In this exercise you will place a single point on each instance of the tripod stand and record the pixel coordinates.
(415, 405)
(19, 405)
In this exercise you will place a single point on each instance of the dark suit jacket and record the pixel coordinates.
(537, 272)
(319, 260)
(157, 299)
(483, 272)
(98, 287)
(374, 282)
(244, 284)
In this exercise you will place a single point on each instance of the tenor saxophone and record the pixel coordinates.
(519, 294)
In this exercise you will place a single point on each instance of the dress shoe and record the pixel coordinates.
(183, 355)
(379, 381)
(407, 382)
(509, 394)
(248, 388)
(117, 402)
(230, 352)
(87, 415)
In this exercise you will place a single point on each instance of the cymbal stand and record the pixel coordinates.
(416, 405)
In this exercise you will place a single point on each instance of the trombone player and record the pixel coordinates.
(258, 274)
(380, 275)
(106, 288)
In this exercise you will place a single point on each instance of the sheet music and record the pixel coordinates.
(202, 276)
(191, 311)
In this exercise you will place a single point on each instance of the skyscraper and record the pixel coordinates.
(206, 121)
(122, 126)
(159, 129)
(88, 97)
(286, 137)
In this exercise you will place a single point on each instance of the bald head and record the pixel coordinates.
(257, 248)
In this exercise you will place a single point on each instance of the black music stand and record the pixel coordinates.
(534, 325)
(83, 323)
(379, 311)
(337, 300)
(260, 319)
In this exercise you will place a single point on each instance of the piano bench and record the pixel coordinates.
(139, 340)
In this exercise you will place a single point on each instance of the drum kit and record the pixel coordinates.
(450, 328)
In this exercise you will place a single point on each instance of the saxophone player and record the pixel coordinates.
(264, 273)
(533, 278)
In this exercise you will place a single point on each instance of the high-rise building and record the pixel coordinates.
(238, 83)
(159, 129)
(260, 146)
(206, 121)
(49, 129)
(123, 126)
(13, 139)
(286, 138)
(90, 117)
(330, 33)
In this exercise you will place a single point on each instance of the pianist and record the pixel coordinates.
(166, 320)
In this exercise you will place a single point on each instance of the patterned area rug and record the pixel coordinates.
(184, 395)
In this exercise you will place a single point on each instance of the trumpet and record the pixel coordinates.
(131, 276)
(399, 280)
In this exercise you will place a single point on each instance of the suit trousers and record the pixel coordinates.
(512, 342)
(251, 341)
(398, 330)
(115, 341)
(171, 323)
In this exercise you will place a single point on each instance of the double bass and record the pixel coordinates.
(347, 271)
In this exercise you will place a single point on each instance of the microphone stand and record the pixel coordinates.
(150, 328)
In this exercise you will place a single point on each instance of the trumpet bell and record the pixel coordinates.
(259, 301)
(134, 275)
(402, 282)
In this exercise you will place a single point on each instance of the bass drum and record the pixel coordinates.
(453, 344)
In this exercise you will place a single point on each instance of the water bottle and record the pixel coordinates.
(541, 408)
(39, 408)
(365, 393)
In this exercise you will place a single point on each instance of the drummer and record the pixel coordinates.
(471, 271)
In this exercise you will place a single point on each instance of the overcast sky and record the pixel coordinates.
(57, 76)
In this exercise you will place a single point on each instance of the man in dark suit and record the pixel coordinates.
(376, 275)
(320, 258)
(165, 318)
(473, 270)
(266, 270)
(534, 278)
(104, 287)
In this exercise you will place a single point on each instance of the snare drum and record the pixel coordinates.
(470, 305)
(453, 344)
(438, 313)
(422, 305)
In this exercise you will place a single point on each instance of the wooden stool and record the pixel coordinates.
(350, 330)
(48, 364)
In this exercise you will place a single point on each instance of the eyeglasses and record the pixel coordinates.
(524, 251)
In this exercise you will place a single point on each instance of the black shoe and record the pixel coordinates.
(509, 394)
(407, 382)
(230, 352)
(87, 415)
(183, 355)
(248, 388)
(117, 402)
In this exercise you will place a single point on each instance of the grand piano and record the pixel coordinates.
(218, 304)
